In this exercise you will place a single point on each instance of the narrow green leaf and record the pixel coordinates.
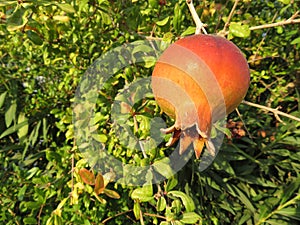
(186, 200)
(10, 114)
(290, 190)
(296, 41)
(111, 193)
(190, 218)
(244, 199)
(13, 129)
(190, 30)
(163, 22)
(6, 3)
(30, 220)
(66, 7)
(293, 213)
(2, 98)
(23, 131)
(137, 210)
(161, 204)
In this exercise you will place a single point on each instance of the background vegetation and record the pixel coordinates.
(46, 47)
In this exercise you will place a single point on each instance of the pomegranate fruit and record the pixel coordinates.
(197, 81)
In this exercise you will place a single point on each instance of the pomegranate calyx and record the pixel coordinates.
(188, 136)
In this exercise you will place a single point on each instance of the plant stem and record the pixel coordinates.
(276, 112)
(199, 24)
(291, 20)
(290, 202)
(229, 17)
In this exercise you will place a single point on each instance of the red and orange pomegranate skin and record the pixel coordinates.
(198, 80)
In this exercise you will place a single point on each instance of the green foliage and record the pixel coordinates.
(46, 48)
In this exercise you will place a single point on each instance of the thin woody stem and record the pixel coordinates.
(230, 16)
(276, 112)
(291, 20)
(199, 24)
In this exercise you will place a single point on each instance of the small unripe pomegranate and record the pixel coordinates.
(197, 81)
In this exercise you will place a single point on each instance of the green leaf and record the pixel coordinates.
(286, 2)
(172, 182)
(239, 30)
(30, 220)
(23, 131)
(111, 193)
(163, 167)
(10, 114)
(34, 37)
(190, 218)
(190, 30)
(161, 204)
(290, 212)
(244, 199)
(186, 200)
(66, 7)
(17, 20)
(290, 190)
(13, 129)
(102, 138)
(137, 210)
(2, 98)
(294, 42)
(6, 3)
(144, 194)
(163, 22)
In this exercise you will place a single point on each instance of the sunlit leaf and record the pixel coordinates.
(186, 200)
(87, 176)
(66, 7)
(239, 30)
(99, 184)
(163, 22)
(111, 193)
(2, 98)
(137, 210)
(161, 204)
(190, 218)
(143, 194)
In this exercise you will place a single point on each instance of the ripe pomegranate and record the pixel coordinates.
(198, 80)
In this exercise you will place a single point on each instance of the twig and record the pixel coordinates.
(241, 118)
(199, 24)
(291, 20)
(276, 112)
(116, 215)
(281, 23)
(229, 17)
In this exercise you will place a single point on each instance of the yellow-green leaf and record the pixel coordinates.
(111, 193)
(239, 30)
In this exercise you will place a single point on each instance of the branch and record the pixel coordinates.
(199, 24)
(276, 112)
(281, 23)
(229, 17)
(291, 20)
